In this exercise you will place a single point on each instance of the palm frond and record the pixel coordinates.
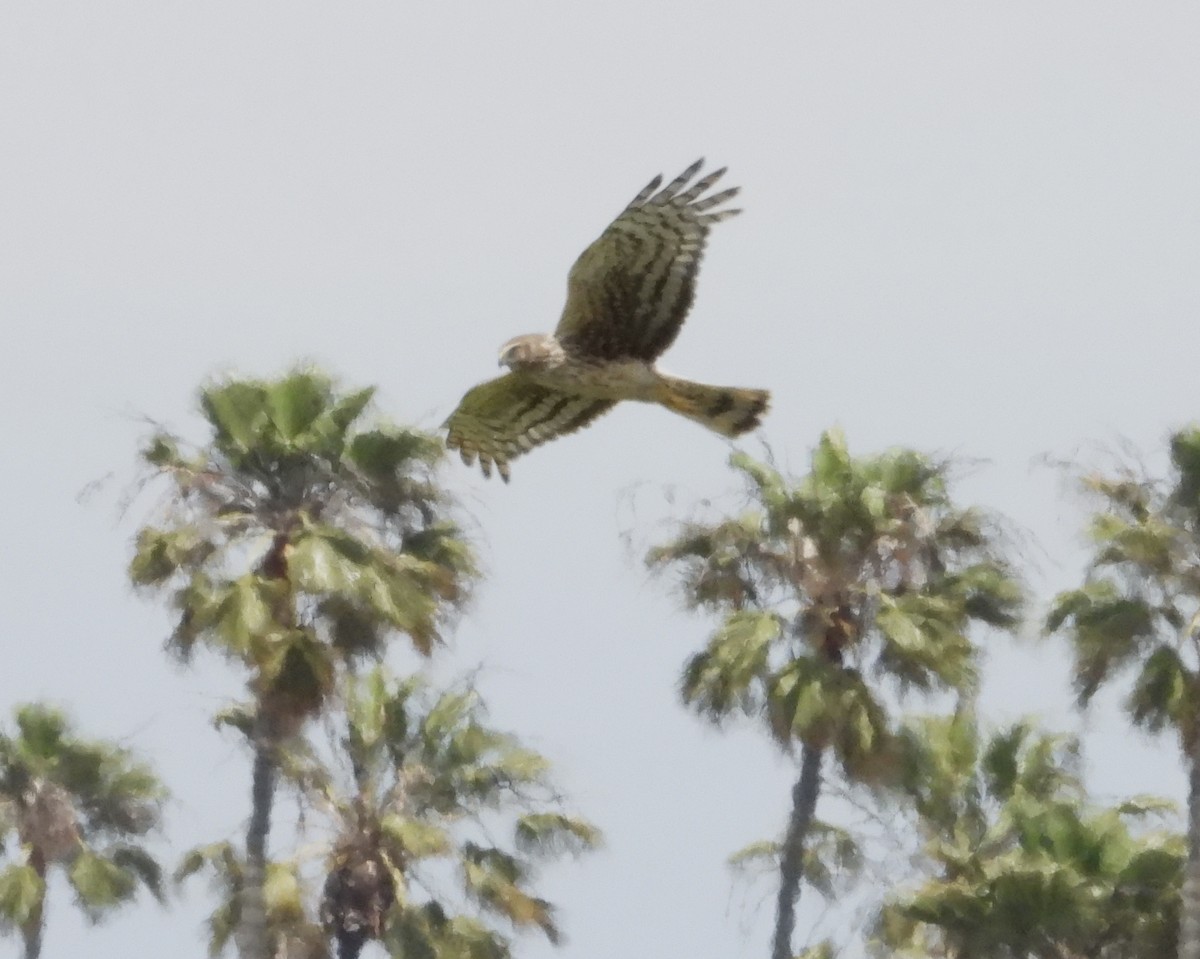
(100, 884)
(729, 673)
(21, 895)
(555, 834)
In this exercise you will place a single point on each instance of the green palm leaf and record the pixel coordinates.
(21, 893)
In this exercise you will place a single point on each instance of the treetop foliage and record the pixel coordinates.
(78, 805)
(298, 538)
(1018, 863)
(1139, 606)
(864, 568)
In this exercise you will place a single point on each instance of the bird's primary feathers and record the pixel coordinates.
(627, 297)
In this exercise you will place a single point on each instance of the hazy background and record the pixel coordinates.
(970, 228)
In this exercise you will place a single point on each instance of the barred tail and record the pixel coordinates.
(730, 411)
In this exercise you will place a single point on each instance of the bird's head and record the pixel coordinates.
(531, 352)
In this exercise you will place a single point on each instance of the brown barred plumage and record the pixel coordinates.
(499, 420)
(627, 297)
(630, 291)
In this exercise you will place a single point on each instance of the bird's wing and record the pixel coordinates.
(499, 420)
(630, 291)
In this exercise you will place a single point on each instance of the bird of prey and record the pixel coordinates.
(627, 297)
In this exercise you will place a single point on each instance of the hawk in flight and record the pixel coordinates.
(627, 297)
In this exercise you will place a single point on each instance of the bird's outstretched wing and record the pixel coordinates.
(499, 420)
(630, 291)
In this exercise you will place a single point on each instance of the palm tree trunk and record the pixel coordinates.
(31, 930)
(254, 936)
(350, 945)
(1189, 916)
(31, 933)
(791, 863)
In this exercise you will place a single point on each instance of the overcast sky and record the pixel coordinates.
(969, 228)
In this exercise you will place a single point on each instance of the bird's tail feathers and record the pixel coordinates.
(728, 410)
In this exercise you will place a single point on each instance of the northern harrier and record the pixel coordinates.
(627, 297)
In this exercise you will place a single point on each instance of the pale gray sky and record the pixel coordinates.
(969, 228)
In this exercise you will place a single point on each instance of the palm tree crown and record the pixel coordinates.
(1140, 605)
(295, 540)
(76, 804)
(431, 787)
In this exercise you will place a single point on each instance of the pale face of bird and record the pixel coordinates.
(531, 352)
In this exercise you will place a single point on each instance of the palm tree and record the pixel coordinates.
(294, 543)
(1017, 863)
(78, 805)
(429, 788)
(1139, 610)
(861, 573)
